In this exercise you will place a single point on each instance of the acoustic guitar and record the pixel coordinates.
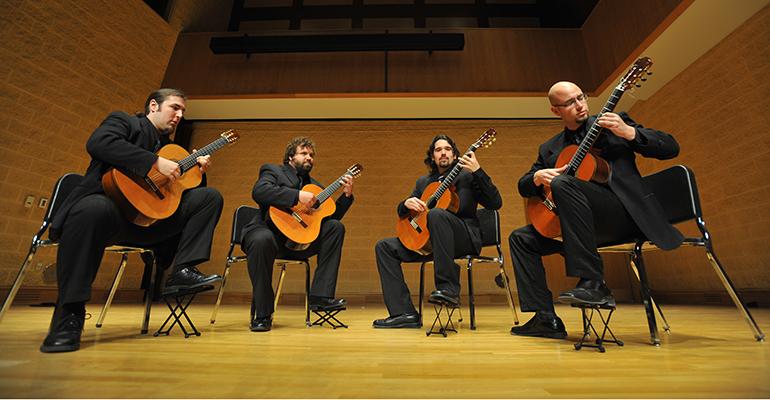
(412, 230)
(583, 161)
(302, 224)
(146, 199)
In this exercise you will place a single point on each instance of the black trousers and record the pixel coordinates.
(590, 215)
(95, 222)
(449, 238)
(262, 246)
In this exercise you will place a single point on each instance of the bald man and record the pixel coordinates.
(591, 214)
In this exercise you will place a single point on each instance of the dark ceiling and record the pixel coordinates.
(330, 15)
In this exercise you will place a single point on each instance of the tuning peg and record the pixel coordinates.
(638, 85)
(649, 73)
(643, 79)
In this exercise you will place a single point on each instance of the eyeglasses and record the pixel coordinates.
(582, 97)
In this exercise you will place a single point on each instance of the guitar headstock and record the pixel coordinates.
(355, 170)
(485, 140)
(636, 73)
(230, 135)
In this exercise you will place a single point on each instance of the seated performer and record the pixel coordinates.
(281, 186)
(89, 221)
(590, 213)
(451, 234)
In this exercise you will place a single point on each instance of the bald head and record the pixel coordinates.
(560, 90)
(569, 103)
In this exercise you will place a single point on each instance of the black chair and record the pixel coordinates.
(241, 217)
(677, 192)
(61, 190)
(489, 221)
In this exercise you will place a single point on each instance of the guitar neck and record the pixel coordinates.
(593, 133)
(447, 181)
(191, 160)
(326, 193)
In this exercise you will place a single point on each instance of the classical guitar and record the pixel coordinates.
(302, 224)
(412, 230)
(146, 199)
(583, 161)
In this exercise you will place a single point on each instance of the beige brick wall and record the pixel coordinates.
(717, 108)
(391, 153)
(65, 65)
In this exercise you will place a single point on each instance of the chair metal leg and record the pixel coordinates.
(307, 294)
(422, 289)
(727, 283)
(149, 293)
(115, 284)
(509, 296)
(471, 300)
(17, 282)
(221, 293)
(279, 287)
(646, 298)
(666, 326)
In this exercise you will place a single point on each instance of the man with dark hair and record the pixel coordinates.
(451, 235)
(281, 187)
(89, 221)
(590, 213)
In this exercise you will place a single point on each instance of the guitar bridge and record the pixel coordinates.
(299, 219)
(550, 205)
(414, 225)
(154, 188)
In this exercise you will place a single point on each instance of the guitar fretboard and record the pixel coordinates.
(191, 160)
(593, 133)
(326, 193)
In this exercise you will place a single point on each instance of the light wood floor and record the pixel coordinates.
(710, 353)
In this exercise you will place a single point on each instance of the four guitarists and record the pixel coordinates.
(281, 186)
(451, 233)
(590, 214)
(89, 221)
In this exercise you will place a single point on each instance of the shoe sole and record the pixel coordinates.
(575, 300)
(444, 303)
(59, 349)
(554, 335)
(193, 286)
(397, 326)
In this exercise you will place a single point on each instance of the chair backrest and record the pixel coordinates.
(242, 216)
(489, 220)
(677, 192)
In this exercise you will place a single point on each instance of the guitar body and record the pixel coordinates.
(544, 219)
(413, 231)
(138, 202)
(300, 224)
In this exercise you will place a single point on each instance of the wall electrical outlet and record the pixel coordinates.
(43, 202)
(29, 201)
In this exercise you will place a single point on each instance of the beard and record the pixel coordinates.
(304, 168)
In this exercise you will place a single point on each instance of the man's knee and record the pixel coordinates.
(259, 240)
(438, 215)
(92, 209)
(334, 226)
(561, 182)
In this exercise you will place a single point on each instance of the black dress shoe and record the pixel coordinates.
(548, 326)
(445, 298)
(64, 334)
(189, 278)
(588, 292)
(411, 320)
(326, 303)
(261, 324)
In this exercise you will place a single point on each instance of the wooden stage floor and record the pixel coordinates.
(709, 353)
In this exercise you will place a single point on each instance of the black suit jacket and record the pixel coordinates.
(279, 186)
(127, 142)
(625, 180)
(472, 189)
